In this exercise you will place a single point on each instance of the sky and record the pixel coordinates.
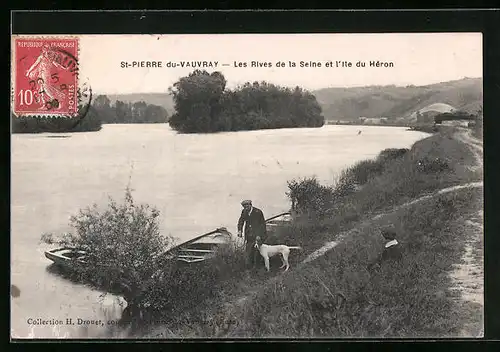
(418, 59)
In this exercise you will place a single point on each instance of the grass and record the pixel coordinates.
(337, 295)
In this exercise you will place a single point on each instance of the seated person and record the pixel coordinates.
(392, 249)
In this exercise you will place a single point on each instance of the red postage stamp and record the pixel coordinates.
(45, 76)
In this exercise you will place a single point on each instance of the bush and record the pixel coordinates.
(365, 170)
(362, 171)
(392, 153)
(123, 245)
(309, 197)
(428, 165)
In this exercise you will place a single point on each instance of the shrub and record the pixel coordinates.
(123, 246)
(309, 197)
(428, 165)
(362, 171)
(392, 153)
(365, 170)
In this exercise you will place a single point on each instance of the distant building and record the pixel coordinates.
(456, 123)
(375, 121)
(427, 114)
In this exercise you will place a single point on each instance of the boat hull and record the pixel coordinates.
(66, 257)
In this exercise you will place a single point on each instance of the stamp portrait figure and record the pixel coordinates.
(40, 72)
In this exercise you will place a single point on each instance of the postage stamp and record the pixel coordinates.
(45, 76)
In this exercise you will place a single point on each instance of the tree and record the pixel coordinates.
(123, 111)
(155, 114)
(102, 101)
(139, 112)
(197, 100)
(103, 108)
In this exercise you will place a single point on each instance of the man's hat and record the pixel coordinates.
(246, 202)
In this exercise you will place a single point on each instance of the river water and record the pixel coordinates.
(196, 181)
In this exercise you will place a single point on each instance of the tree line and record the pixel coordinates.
(123, 112)
(91, 118)
(203, 104)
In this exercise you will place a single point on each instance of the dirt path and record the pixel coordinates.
(468, 275)
(475, 145)
(330, 245)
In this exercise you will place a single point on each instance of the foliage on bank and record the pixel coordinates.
(308, 196)
(38, 124)
(204, 104)
(126, 112)
(91, 118)
(123, 245)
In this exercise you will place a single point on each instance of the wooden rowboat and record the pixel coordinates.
(67, 257)
(200, 248)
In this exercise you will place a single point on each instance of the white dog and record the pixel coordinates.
(267, 251)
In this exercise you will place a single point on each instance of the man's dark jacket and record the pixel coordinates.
(391, 253)
(255, 224)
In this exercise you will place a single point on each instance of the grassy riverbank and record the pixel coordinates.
(336, 295)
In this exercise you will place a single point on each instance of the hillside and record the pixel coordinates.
(374, 101)
(392, 101)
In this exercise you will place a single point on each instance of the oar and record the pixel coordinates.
(196, 238)
(277, 216)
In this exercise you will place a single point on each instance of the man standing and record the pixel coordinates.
(255, 225)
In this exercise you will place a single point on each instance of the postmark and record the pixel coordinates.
(46, 78)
